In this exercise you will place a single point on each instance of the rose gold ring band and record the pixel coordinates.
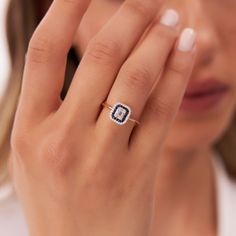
(123, 108)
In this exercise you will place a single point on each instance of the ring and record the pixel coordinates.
(120, 113)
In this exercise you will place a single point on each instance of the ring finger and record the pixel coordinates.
(137, 77)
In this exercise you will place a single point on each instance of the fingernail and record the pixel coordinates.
(187, 40)
(170, 18)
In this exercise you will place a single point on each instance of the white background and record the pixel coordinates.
(4, 57)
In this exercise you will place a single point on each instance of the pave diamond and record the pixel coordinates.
(120, 113)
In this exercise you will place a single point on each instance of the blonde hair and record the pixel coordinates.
(23, 17)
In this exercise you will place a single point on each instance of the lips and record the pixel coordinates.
(206, 87)
(202, 96)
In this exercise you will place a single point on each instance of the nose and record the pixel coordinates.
(196, 14)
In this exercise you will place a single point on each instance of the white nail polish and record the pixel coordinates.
(187, 40)
(170, 18)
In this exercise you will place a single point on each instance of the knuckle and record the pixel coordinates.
(10, 166)
(70, 1)
(166, 33)
(160, 109)
(19, 142)
(103, 51)
(39, 48)
(138, 77)
(73, 3)
(179, 67)
(139, 7)
(55, 153)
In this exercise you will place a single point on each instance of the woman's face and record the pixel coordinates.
(200, 121)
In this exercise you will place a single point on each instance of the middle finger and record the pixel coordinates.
(103, 58)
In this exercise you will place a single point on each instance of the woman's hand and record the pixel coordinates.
(76, 171)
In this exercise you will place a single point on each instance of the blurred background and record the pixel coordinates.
(4, 58)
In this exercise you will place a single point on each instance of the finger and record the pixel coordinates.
(138, 75)
(47, 54)
(166, 98)
(104, 56)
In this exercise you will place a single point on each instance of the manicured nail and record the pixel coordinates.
(170, 18)
(187, 40)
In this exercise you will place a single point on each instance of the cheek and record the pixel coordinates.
(225, 25)
(225, 21)
(228, 33)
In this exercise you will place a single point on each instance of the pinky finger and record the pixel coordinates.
(165, 99)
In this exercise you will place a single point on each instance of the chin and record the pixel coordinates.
(189, 134)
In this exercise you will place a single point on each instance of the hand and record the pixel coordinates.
(77, 172)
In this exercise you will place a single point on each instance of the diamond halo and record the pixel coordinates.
(120, 113)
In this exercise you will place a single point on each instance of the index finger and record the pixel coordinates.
(47, 53)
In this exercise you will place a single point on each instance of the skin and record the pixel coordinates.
(188, 153)
(153, 165)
